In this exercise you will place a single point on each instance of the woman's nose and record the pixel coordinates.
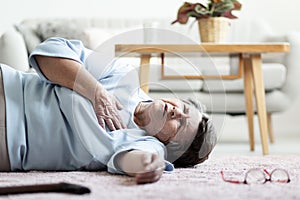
(176, 113)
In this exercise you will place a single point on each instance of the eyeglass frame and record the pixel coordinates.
(265, 172)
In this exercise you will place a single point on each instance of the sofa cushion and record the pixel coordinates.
(62, 28)
(94, 37)
(174, 67)
(13, 50)
(274, 77)
(30, 37)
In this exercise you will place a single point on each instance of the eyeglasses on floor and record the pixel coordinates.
(261, 176)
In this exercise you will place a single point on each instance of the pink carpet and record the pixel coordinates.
(201, 182)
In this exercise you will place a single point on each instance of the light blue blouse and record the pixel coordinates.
(50, 127)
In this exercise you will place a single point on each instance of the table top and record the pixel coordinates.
(203, 47)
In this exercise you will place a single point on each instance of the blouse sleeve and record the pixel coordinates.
(59, 47)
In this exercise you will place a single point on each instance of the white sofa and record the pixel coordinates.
(280, 72)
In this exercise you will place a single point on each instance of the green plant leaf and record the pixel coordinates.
(201, 10)
(188, 10)
(222, 7)
(214, 8)
(236, 6)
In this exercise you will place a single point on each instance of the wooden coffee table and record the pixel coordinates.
(251, 71)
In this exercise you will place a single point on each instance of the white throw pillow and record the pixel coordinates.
(96, 36)
(63, 29)
(30, 37)
(13, 51)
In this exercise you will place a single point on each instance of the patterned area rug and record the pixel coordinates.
(202, 182)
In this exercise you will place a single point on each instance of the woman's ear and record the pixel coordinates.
(173, 102)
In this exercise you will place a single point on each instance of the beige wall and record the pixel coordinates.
(281, 14)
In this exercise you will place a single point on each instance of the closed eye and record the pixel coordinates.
(183, 120)
(165, 109)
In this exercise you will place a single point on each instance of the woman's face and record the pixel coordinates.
(168, 119)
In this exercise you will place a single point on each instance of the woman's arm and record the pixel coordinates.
(71, 74)
(146, 167)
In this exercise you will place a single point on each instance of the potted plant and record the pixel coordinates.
(213, 19)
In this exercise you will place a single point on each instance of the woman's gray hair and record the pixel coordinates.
(198, 150)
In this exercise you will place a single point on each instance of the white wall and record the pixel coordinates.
(281, 14)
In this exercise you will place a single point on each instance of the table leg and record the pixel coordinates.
(248, 91)
(270, 127)
(260, 100)
(144, 72)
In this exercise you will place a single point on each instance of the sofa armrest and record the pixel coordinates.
(13, 50)
(292, 62)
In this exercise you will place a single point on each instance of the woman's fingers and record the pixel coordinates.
(153, 169)
(106, 109)
(149, 177)
(118, 122)
(156, 163)
(101, 122)
(112, 118)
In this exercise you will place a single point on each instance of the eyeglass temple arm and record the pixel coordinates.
(230, 181)
(266, 171)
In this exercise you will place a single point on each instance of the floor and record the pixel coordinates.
(231, 154)
(233, 140)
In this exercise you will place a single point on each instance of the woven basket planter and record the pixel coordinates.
(214, 29)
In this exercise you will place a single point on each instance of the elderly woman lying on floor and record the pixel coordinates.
(77, 115)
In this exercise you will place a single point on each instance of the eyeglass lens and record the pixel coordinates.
(258, 176)
(279, 175)
(255, 176)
